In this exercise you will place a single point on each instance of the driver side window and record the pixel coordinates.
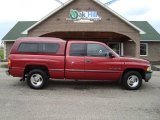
(97, 50)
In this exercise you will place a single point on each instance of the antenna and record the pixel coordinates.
(110, 2)
(59, 1)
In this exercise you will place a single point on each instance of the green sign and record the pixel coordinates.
(76, 15)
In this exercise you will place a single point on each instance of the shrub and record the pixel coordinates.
(1, 54)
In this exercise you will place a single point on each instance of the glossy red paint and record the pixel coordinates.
(61, 65)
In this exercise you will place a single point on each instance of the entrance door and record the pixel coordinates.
(115, 46)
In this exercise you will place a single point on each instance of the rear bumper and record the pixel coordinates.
(7, 72)
(15, 72)
(148, 76)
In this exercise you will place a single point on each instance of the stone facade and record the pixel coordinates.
(109, 23)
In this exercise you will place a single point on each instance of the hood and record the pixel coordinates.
(130, 59)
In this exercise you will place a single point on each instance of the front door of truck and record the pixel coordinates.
(98, 64)
(75, 57)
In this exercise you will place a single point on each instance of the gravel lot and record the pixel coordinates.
(78, 101)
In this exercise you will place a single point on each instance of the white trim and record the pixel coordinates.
(122, 50)
(8, 40)
(98, 2)
(119, 16)
(47, 16)
(149, 40)
(4, 51)
(146, 49)
(119, 44)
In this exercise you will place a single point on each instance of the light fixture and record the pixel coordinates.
(130, 40)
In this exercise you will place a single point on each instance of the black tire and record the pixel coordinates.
(132, 80)
(37, 79)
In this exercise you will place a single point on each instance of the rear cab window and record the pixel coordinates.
(28, 47)
(38, 48)
(77, 49)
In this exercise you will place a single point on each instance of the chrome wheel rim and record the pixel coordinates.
(36, 80)
(133, 81)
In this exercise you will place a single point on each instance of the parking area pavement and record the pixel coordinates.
(62, 100)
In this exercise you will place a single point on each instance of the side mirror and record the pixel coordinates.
(111, 55)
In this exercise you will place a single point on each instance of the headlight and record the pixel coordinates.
(149, 68)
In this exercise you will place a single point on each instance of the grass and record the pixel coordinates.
(4, 65)
(1, 53)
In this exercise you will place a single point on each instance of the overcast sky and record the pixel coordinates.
(12, 11)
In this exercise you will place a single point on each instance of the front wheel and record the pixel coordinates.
(132, 80)
(37, 79)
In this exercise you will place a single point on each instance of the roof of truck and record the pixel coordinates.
(40, 39)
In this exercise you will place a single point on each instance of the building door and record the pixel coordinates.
(117, 47)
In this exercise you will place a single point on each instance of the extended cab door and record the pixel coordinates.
(75, 56)
(98, 64)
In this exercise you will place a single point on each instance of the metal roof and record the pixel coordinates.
(151, 33)
(16, 31)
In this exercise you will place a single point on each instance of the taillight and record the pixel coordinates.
(9, 63)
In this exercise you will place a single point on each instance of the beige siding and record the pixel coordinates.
(129, 48)
(8, 48)
(153, 51)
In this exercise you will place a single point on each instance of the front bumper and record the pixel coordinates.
(148, 76)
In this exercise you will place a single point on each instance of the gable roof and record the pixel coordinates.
(16, 31)
(151, 33)
(119, 16)
(96, 1)
(47, 16)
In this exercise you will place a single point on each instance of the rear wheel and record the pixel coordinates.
(37, 79)
(132, 80)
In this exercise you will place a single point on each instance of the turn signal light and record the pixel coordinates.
(9, 63)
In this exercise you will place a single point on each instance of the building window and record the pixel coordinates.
(144, 49)
(115, 46)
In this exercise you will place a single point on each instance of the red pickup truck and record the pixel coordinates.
(38, 59)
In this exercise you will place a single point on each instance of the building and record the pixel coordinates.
(92, 20)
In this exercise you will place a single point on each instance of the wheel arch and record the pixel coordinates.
(141, 71)
(28, 68)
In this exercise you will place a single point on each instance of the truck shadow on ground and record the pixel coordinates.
(82, 85)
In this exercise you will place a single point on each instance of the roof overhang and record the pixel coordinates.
(47, 16)
(96, 1)
(8, 40)
(119, 16)
(149, 40)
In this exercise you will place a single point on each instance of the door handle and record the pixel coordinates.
(88, 61)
